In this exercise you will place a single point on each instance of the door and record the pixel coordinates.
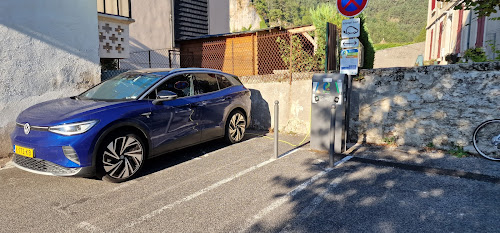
(175, 123)
(214, 105)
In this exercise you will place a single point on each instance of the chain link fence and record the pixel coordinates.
(263, 56)
(160, 58)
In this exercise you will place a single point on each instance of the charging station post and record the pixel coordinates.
(328, 109)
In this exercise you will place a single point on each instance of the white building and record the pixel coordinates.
(452, 31)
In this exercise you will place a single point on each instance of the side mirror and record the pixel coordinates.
(164, 95)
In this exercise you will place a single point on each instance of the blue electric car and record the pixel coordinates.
(111, 129)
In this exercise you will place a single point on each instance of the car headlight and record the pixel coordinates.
(73, 128)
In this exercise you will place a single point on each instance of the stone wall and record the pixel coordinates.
(430, 104)
(415, 106)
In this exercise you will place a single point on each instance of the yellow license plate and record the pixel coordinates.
(24, 151)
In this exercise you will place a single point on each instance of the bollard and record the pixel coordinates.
(276, 128)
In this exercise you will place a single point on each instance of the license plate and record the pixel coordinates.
(24, 151)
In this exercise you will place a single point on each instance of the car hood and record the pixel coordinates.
(60, 110)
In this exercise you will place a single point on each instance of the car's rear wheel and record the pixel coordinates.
(235, 127)
(121, 157)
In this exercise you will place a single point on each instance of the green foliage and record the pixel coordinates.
(430, 145)
(475, 55)
(286, 13)
(481, 7)
(421, 36)
(401, 22)
(294, 52)
(378, 47)
(458, 151)
(320, 15)
(390, 140)
(246, 29)
(263, 24)
(395, 20)
(365, 39)
(494, 50)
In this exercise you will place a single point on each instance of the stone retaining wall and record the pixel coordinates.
(414, 106)
(430, 104)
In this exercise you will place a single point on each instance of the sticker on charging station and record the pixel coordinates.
(315, 87)
(326, 87)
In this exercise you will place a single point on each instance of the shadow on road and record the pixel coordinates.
(180, 156)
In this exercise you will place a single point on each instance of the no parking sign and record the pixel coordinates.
(351, 8)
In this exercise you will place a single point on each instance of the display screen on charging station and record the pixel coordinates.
(328, 90)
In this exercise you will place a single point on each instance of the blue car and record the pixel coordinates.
(112, 128)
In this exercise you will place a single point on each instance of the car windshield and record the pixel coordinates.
(126, 86)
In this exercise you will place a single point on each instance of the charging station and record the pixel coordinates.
(329, 108)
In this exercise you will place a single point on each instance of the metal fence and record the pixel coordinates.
(258, 57)
(160, 58)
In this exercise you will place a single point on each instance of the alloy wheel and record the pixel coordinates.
(123, 157)
(237, 126)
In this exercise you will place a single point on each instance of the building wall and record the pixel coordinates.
(153, 28)
(454, 40)
(218, 16)
(48, 49)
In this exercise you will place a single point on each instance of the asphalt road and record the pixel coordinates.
(241, 188)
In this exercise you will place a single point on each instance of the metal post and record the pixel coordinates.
(149, 58)
(276, 128)
(347, 110)
(169, 59)
(332, 135)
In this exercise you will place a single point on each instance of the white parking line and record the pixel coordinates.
(192, 196)
(89, 227)
(251, 221)
(7, 165)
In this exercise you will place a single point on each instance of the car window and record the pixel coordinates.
(127, 85)
(223, 82)
(182, 85)
(205, 83)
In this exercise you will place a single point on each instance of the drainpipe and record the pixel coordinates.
(470, 25)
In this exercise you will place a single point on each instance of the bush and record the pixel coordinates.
(475, 55)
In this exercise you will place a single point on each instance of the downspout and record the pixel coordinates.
(468, 31)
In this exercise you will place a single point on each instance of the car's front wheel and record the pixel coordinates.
(121, 157)
(235, 127)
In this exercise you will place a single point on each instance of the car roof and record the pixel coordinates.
(167, 71)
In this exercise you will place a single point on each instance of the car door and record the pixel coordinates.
(175, 123)
(213, 107)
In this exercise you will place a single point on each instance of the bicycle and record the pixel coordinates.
(486, 139)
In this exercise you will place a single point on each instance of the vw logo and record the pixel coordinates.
(27, 128)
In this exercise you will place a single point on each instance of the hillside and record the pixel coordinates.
(397, 21)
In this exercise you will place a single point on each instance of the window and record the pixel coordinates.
(114, 7)
(223, 82)
(206, 83)
(433, 4)
(182, 85)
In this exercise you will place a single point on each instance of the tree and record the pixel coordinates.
(481, 7)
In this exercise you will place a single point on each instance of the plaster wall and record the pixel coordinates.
(153, 26)
(218, 16)
(48, 49)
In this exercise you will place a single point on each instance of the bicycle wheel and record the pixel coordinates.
(486, 139)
